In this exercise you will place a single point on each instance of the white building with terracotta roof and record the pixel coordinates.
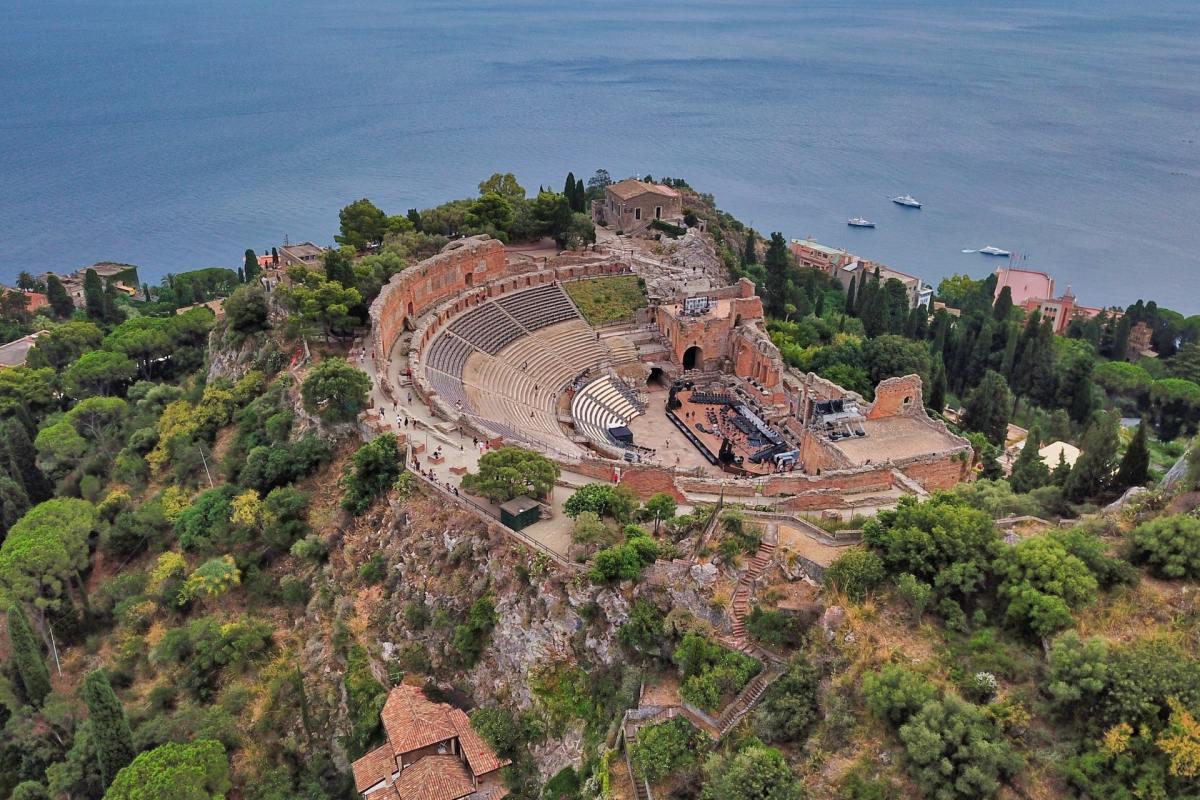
(631, 205)
(431, 753)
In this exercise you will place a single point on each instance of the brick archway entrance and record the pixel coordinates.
(693, 358)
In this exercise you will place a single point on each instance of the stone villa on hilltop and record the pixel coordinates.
(631, 205)
(1034, 291)
(431, 753)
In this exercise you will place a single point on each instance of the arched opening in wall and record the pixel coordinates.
(410, 308)
(656, 377)
(693, 357)
(469, 279)
(737, 321)
(907, 400)
(407, 324)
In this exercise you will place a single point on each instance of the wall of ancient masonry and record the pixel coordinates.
(409, 294)
(898, 397)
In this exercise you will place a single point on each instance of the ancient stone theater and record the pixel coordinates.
(687, 396)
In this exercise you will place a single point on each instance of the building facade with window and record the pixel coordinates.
(631, 205)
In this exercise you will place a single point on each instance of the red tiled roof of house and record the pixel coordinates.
(412, 722)
(375, 766)
(479, 755)
(632, 188)
(441, 777)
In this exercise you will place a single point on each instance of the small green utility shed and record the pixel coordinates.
(520, 512)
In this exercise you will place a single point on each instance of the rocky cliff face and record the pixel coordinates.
(442, 560)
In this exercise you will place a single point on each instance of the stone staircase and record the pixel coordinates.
(745, 701)
(740, 606)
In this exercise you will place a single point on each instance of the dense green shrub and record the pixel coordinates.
(644, 630)
(788, 709)
(472, 636)
(205, 524)
(855, 572)
(755, 772)
(664, 748)
(374, 468)
(1040, 582)
(954, 751)
(711, 672)
(602, 499)
(1170, 545)
(364, 699)
(774, 628)
(625, 561)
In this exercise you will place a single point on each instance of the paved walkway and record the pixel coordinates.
(457, 448)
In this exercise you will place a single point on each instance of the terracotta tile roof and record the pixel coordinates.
(479, 754)
(375, 766)
(412, 722)
(435, 778)
(632, 188)
(383, 793)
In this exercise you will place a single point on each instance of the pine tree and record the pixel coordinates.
(750, 251)
(114, 741)
(850, 298)
(27, 657)
(93, 296)
(60, 301)
(1135, 464)
(23, 458)
(1029, 472)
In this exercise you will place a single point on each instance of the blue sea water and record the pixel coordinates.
(175, 134)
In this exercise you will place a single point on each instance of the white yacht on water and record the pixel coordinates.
(859, 222)
(907, 200)
(994, 251)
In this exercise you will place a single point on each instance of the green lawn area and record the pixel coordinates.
(603, 300)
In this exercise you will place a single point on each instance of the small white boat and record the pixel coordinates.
(994, 251)
(859, 222)
(907, 200)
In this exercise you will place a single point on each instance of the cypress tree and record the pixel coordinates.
(581, 193)
(937, 392)
(60, 301)
(750, 252)
(850, 297)
(1093, 471)
(1135, 464)
(569, 192)
(27, 657)
(23, 457)
(111, 313)
(1062, 471)
(1029, 472)
(250, 269)
(339, 267)
(414, 217)
(93, 296)
(1003, 306)
(986, 410)
(274, 257)
(114, 740)
(241, 275)
(777, 266)
(14, 502)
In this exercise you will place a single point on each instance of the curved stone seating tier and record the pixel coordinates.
(540, 307)
(600, 406)
(505, 362)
